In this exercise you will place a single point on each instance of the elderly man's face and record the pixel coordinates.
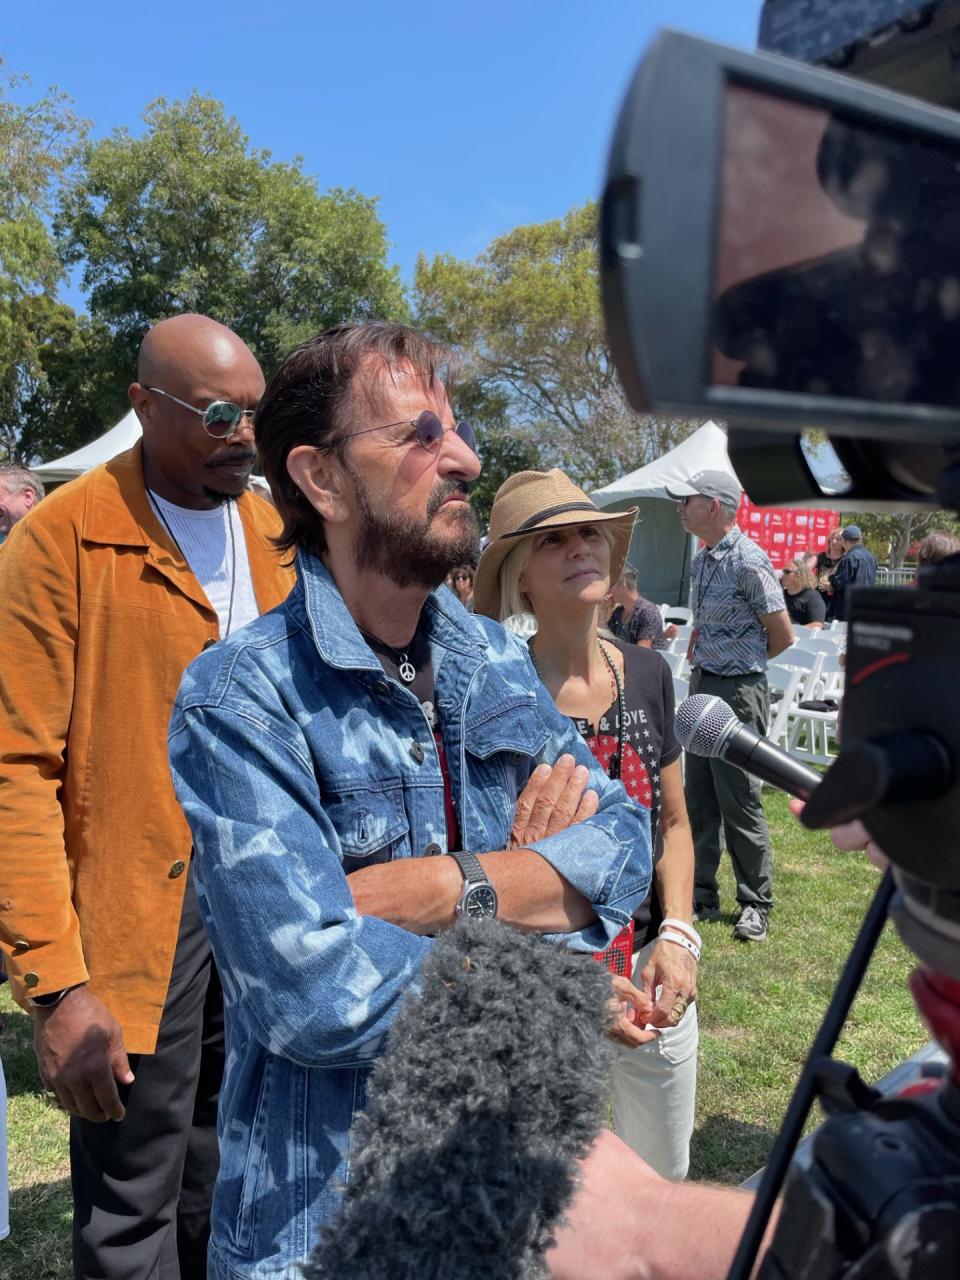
(13, 506)
(413, 521)
(697, 514)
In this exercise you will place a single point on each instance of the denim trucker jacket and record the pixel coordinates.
(296, 760)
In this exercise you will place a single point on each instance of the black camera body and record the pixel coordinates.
(779, 249)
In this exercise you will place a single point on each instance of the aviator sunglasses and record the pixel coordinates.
(221, 418)
(427, 428)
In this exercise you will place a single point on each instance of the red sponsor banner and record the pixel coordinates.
(785, 532)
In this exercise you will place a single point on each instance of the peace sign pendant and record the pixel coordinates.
(408, 671)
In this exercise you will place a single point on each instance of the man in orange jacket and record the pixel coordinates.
(108, 589)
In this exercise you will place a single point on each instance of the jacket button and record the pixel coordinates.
(31, 980)
(208, 643)
(21, 944)
(177, 869)
(382, 688)
(432, 850)
(417, 752)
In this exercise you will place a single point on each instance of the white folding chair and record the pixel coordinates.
(787, 682)
(813, 734)
(819, 642)
(675, 661)
(681, 689)
(832, 675)
(806, 660)
(681, 640)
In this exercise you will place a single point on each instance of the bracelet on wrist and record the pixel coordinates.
(681, 941)
(681, 926)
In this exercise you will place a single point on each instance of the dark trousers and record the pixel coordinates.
(142, 1188)
(721, 796)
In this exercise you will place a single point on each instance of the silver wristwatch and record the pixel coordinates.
(479, 898)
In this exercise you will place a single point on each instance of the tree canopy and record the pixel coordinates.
(39, 138)
(183, 216)
(527, 316)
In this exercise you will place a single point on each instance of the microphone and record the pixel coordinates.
(491, 1090)
(708, 726)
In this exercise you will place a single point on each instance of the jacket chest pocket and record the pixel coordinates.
(372, 827)
(514, 732)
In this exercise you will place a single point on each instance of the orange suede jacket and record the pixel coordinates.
(99, 616)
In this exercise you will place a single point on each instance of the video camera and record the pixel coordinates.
(780, 248)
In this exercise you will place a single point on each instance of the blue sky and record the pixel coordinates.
(465, 119)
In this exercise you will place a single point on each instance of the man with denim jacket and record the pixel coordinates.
(323, 756)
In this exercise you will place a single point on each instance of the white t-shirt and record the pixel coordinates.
(217, 553)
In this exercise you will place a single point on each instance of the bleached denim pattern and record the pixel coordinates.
(295, 758)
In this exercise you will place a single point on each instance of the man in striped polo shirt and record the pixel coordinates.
(740, 621)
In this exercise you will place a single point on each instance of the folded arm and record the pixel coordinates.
(319, 982)
(581, 872)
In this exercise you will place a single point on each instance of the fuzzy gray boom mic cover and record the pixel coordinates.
(490, 1092)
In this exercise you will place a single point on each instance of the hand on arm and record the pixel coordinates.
(420, 894)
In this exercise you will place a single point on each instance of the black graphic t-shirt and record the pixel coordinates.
(650, 743)
(806, 606)
(422, 686)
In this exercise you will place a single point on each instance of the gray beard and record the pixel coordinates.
(408, 551)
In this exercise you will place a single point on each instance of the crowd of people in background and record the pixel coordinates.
(346, 735)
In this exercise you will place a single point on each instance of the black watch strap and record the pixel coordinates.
(479, 898)
(469, 864)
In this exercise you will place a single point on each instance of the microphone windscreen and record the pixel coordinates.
(491, 1090)
(703, 722)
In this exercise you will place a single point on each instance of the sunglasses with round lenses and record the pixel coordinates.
(221, 418)
(428, 429)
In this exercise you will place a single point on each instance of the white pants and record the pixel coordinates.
(654, 1091)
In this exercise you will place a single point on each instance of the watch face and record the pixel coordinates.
(481, 901)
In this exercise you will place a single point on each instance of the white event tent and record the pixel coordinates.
(660, 550)
(119, 438)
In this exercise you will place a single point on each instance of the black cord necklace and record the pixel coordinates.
(233, 551)
(405, 668)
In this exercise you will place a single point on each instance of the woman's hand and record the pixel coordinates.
(634, 1009)
(674, 970)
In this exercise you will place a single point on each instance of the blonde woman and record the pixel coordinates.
(554, 555)
(804, 602)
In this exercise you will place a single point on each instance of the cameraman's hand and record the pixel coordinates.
(851, 836)
(554, 798)
(80, 1053)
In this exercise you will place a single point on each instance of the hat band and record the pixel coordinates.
(533, 521)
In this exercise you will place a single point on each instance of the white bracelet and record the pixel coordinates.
(681, 941)
(682, 925)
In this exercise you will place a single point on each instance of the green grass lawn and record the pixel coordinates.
(760, 1006)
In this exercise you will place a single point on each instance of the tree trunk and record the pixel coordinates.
(900, 544)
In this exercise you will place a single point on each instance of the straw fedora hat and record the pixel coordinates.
(526, 504)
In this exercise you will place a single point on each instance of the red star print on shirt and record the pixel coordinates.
(633, 772)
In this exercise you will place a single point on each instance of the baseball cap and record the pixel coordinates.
(709, 484)
(851, 533)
